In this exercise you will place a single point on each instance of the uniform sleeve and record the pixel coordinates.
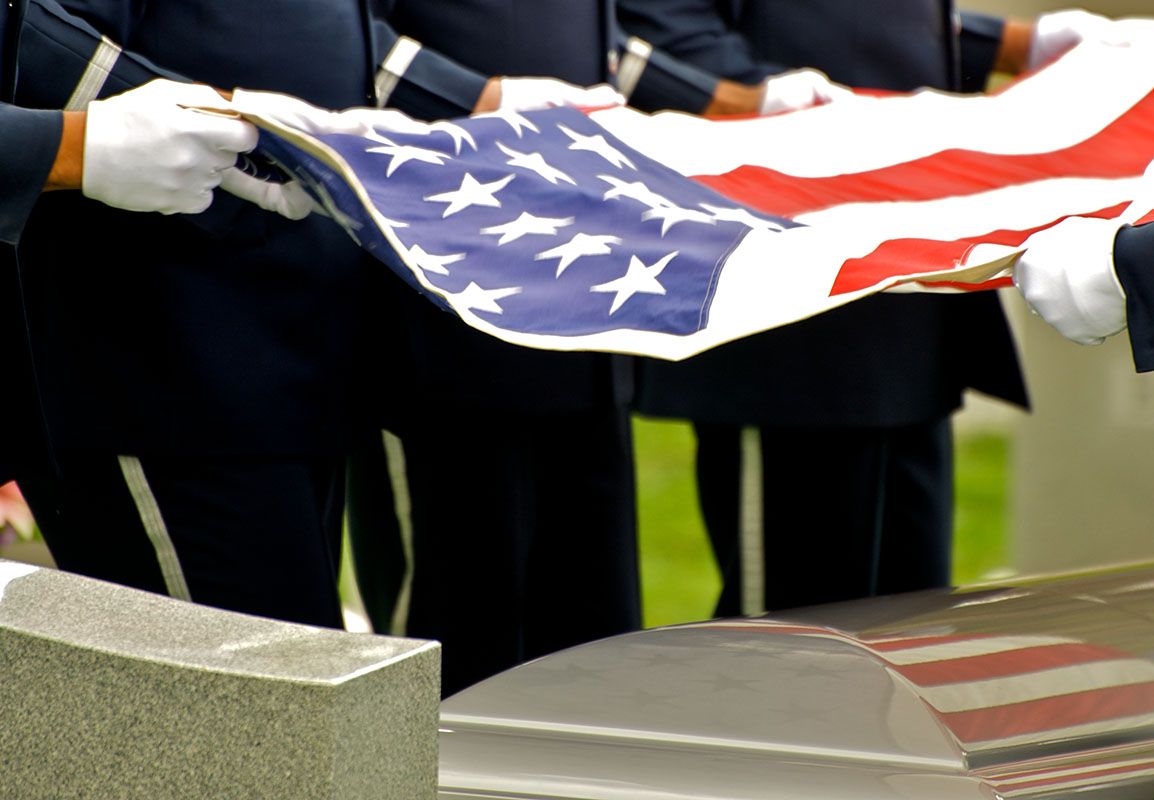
(695, 33)
(28, 144)
(1134, 265)
(422, 82)
(65, 62)
(981, 36)
(674, 52)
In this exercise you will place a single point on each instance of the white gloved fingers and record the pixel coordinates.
(1066, 276)
(1060, 31)
(145, 150)
(798, 89)
(284, 109)
(290, 200)
(596, 96)
(534, 94)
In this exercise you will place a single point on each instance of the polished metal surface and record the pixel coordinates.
(1045, 688)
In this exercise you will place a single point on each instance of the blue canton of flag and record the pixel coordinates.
(537, 223)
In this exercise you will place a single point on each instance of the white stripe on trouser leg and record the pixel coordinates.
(751, 525)
(394, 67)
(154, 526)
(92, 81)
(403, 506)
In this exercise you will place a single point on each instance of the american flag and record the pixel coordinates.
(667, 234)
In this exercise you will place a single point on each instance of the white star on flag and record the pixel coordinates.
(639, 278)
(433, 263)
(596, 144)
(476, 298)
(743, 216)
(583, 244)
(671, 215)
(535, 162)
(633, 190)
(517, 122)
(526, 224)
(456, 133)
(402, 154)
(471, 193)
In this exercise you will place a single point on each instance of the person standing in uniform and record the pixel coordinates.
(170, 161)
(833, 435)
(198, 372)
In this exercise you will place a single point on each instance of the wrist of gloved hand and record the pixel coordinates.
(798, 89)
(1067, 277)
(150, 150)
(1060, 31)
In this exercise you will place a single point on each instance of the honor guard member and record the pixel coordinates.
(198, 371)
(517, 464)
(87, 149)
(833, 435)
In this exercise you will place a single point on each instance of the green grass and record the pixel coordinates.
(679, 579)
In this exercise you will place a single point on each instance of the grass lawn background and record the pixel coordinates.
(679, 579)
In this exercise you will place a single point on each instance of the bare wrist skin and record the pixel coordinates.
(1014, 51)
(490, 98)
(731, 97)
(68, 170)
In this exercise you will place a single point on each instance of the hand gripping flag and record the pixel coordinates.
(666, 234)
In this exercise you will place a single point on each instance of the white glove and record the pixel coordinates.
(800, 88)
(148, 150)
(1060, 31)
(289, 199)
(292, 112)
(1067, 277)
(533, 94)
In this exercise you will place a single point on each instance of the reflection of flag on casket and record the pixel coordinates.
(562, 230)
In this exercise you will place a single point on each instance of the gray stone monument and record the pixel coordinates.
(114, 694)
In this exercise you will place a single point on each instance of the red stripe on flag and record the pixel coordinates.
(1005, 663)
(898, 257)
(1119, 150)
(911, 256)
(1050, 713)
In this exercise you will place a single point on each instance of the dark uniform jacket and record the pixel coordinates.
(28, 143)
(1134, 264)
(231, 332)
(884, 361)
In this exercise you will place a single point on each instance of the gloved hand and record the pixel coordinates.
(293, 112)
(1067, 277)
(1059, 31)
(797, 89)
(148, 150)
(288, 199)
(532, 94)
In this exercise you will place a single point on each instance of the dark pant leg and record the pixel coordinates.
(471, 512)
(256, 536)
(584, 579)
(823, 497)
(522, 537)
(918, 528)
(374, 528)
(718, 469)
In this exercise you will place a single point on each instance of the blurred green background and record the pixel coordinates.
(679, 579)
